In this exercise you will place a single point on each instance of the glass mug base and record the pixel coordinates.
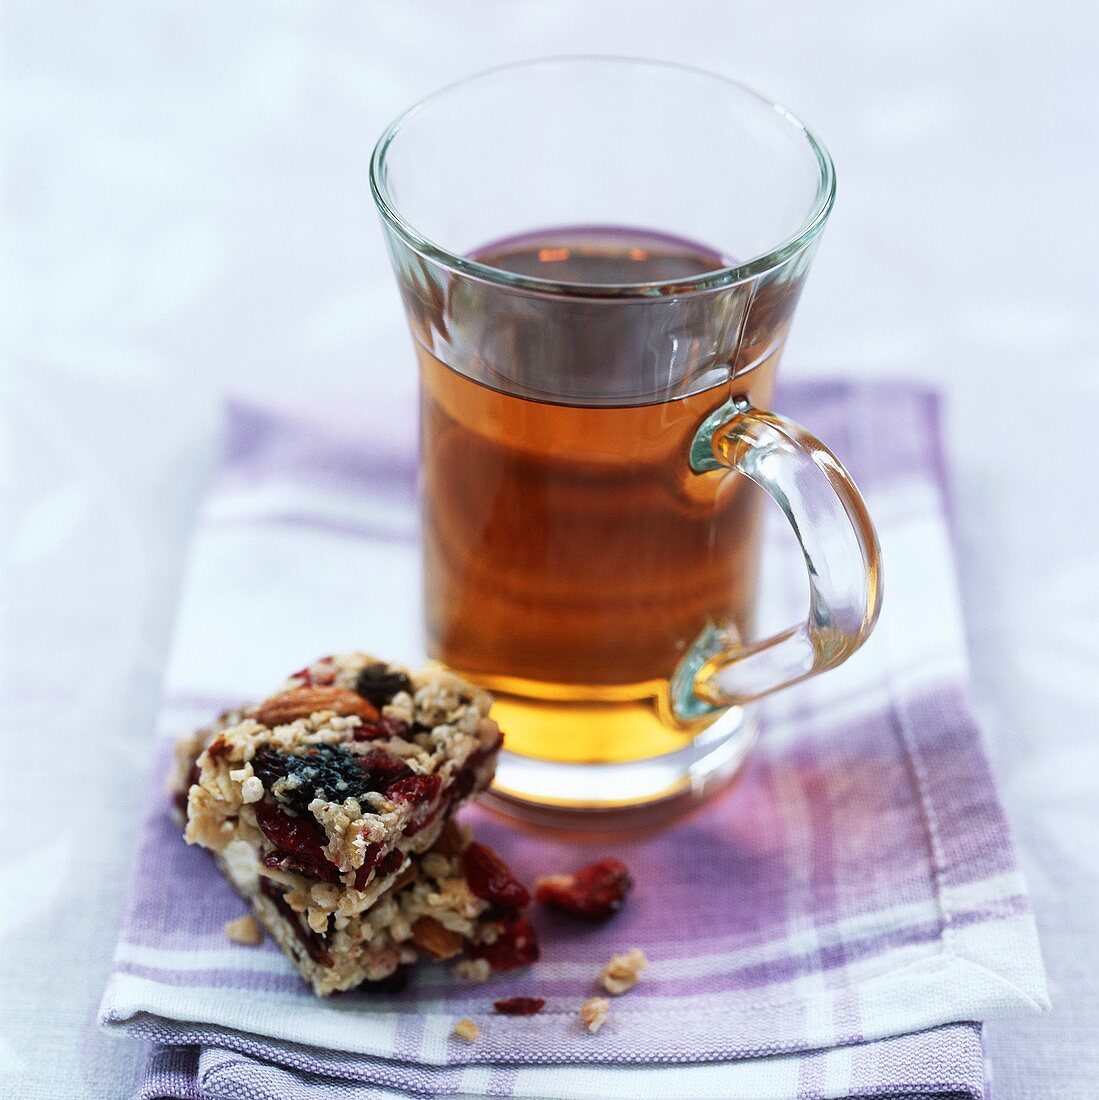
(613, 759)
(637, 794)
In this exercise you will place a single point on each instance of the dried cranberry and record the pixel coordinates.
(392, 862)
(515, 946)
(279, 861)
(384, 728)
(371, 855)
(300, 839)
(519, 1006)
(378, 683)
(416, 789)
(489, 877)
(373, 860)
(381, 770)
(595, 892)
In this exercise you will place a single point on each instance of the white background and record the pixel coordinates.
(187, 214)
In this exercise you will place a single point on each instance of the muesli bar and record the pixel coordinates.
(317, 802)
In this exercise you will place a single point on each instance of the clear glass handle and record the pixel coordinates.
(841, 551)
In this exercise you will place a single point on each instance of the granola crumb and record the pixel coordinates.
(466, 1029)
(593, 1013)
(244, 930)
(251, 790)
(472, 970)
(623, 971)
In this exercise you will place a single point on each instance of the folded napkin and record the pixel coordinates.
(836, 924)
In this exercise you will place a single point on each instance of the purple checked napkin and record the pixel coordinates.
(835, 925)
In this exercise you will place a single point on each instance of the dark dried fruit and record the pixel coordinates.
(489, 877)
(390, 863)
(328, 771)
(515, 946)
(595, 892)
(519, 1006)
(300, 842)
(379, 683)
(383, 729)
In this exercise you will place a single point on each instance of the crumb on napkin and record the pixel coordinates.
(244, 930)
(593, 1013)
(622, 972)
(466, 1029)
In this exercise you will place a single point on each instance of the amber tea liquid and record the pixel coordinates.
(571, 556)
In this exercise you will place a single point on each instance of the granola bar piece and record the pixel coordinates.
(318, 802)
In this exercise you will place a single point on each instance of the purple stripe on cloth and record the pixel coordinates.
(262, 447)
(849, 853)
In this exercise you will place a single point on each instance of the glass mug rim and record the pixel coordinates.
(726, 276)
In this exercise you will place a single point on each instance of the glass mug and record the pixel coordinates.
(600, 259)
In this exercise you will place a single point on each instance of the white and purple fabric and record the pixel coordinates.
(837, 925)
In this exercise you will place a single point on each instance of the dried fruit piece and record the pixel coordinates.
(381, 769)
(373, 860)
(384, 729)
(466, 1029)
(622, 971)
(299, 838)
(519, 1006)
(379, 683)
(516, 945)
(489, 877)
(417, 789)
(324, 770)
(289, 706)
(593, 1013)
(595, 892)
(244, 930)
(435, 940)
